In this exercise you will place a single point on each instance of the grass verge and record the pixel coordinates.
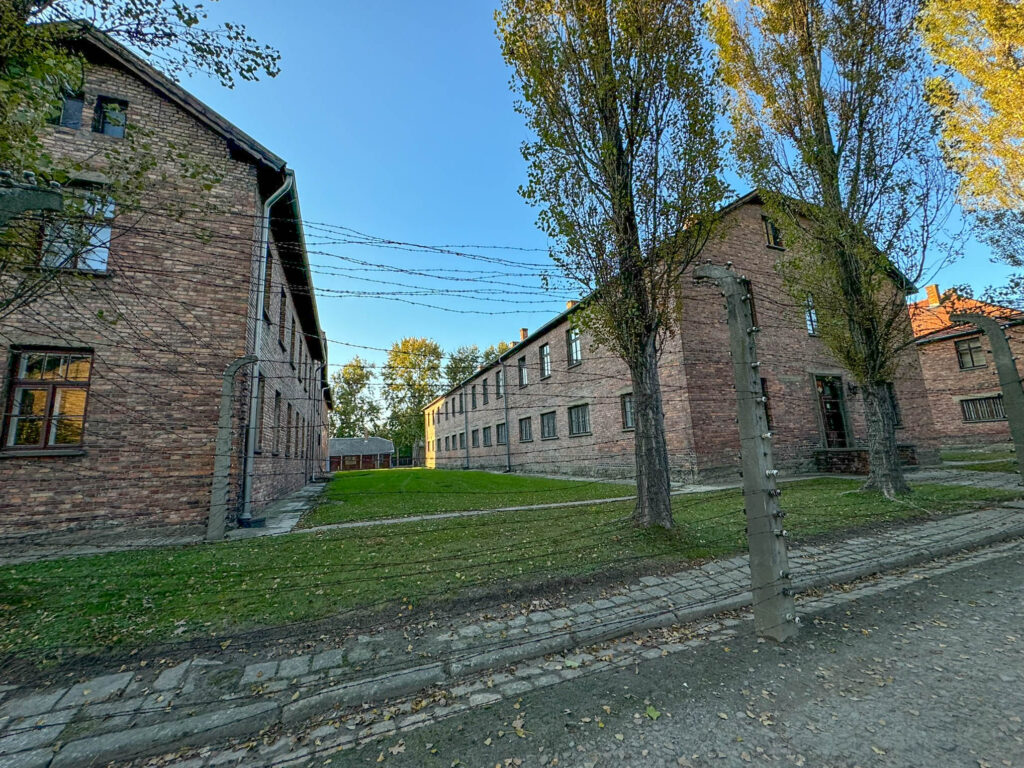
(113, 603)
(976, 455)
(377, 494)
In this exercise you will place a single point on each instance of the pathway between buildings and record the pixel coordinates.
(203, 701)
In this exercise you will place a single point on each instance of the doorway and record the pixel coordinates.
(833, 410)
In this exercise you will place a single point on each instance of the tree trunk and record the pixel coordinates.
(653, 498)
(884, 472)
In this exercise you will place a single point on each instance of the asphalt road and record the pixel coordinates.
(929, 675)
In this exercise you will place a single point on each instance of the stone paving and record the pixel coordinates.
(199, 701)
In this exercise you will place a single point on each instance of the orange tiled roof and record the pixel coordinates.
(930, 316)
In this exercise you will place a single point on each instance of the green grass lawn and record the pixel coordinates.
(976, 455)
(995, 466)
(128, 600)
(376, 494)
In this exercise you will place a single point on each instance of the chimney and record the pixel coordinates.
(523, 333)
(933, 294)
(571, 304)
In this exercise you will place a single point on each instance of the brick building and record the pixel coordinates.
(959, 374)
(111, 384)
(557, 403)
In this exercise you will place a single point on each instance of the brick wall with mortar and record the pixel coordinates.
(947, 385)
(174, 315)
(696, 376)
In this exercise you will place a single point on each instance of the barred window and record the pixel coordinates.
(983, 409)
(46, 407)
(579, 420)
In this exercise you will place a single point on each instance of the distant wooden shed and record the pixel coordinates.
(348, 453)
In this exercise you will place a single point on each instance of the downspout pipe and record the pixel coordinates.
(508, 430)
(261, 299)
(465, 426)
(312, 457)
(215, 523)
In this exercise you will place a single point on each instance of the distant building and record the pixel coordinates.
(959, 374)
(347, 453)
(558, 403)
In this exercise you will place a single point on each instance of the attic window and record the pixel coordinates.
(69, 115)
(111, 116)
(772, 235)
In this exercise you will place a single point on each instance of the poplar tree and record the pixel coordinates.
(624, 166)
(826, 99)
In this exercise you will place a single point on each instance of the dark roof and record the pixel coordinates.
(359, 446)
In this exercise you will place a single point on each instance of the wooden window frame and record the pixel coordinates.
(970, 346)
(580, 408)
(628, 414)
(46, 444)
(526, 435)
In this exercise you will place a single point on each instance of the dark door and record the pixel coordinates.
(369, 462)
(335, 463)
(833, 410)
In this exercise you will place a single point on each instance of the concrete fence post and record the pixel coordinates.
(774, 608)
(1009, 377)
(222, 455)
(16, 199)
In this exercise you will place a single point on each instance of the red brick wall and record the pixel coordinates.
(947, 384)
(698, 394)
(170, 314)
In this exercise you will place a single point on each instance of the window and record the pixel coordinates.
(772, 235)
(487, 436)
(501, 433)
(983, 409)
(476, 438)
(277, 423)
(473, 396)
(260, 387)
(525, 430)
(524, 378)
(499, 383)
(485, 392)
(810, 316)
(81, 241)
(462, 402)
(288, 431)
(69, 114)
(268, 283)
(970, 354)
(462, 440)
(545, 360)
(548, 428)
(573, 346)
(767, 404)
(282, 318)
(438, 445)
(291, 345)
(111, 116)
(626, 403)
(49, 390)
(447, 446)
(579, 420)
(446, 410)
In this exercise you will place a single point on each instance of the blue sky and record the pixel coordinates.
(397, 119)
